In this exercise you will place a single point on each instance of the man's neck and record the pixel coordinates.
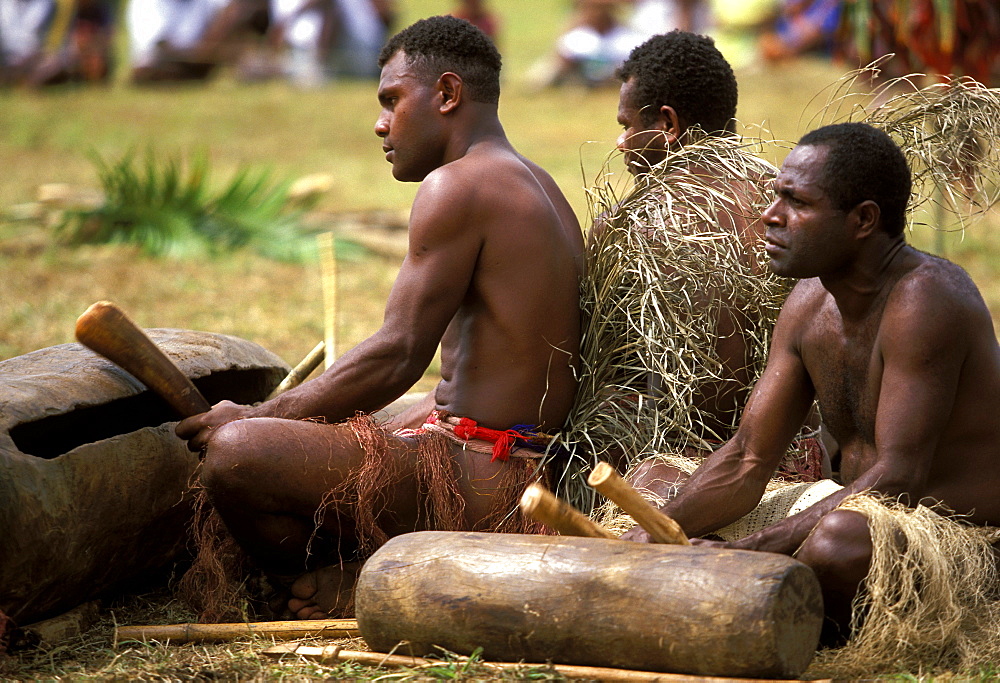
(869, 276)
(483, 128)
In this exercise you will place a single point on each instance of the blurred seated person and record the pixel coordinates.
(479, 15)
(24, 26)
(653, 17)
(324, 39)
(80, 47)
(178, 40)
(801, 27)
(596, 45)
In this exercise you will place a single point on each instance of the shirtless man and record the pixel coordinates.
(491, 274)
(897, 346)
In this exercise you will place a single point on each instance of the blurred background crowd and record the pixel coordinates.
(311, 42)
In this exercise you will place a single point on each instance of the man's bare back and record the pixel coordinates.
(509, 354)
(491, 274)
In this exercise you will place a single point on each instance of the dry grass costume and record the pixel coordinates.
(672, 256)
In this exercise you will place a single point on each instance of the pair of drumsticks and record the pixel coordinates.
(542, 505)
(106, 329)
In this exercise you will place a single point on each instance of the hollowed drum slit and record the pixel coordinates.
(55, 435)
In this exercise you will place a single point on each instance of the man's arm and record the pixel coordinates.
(431, 284)
(731, 481)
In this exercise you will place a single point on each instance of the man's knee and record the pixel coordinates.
(658, 477)
(839, 546)
(227, 461)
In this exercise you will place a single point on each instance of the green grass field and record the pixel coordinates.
(49, 137)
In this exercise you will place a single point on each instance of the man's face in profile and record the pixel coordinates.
(643, 140)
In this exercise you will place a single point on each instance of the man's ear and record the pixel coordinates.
(670, 123)
(450, 86)
(868, 217)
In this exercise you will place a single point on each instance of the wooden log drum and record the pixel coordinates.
(591, 601)
(94, 485)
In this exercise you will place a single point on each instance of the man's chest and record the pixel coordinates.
(845, 365)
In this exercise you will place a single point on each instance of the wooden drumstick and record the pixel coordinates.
(105, 329)
(661, 528)
(543, 506)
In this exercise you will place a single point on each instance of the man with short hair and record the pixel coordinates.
(491, 274)
(897, 346)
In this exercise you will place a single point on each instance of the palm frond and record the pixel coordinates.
(169, 208)
(947, 131)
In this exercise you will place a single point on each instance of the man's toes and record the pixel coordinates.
(297, 604)
(305, 586)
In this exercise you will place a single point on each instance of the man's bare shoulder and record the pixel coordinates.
(938, 287)
(808, 295)
(490, 179)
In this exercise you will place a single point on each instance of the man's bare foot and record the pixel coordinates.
(324, 591)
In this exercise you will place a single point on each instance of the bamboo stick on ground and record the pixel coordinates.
(280, 630)
(543, 506)
(302, 370)
(331, 654)
(661, 528)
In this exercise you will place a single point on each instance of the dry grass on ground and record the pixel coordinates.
(94, 655)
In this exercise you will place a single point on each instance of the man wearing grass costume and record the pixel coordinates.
(678, 304)
(900, 351)
(308, 483)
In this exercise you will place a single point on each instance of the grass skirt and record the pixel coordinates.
(216, 584)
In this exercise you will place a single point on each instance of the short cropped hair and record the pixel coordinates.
(863, 163)
(436, 45)
(687, 72)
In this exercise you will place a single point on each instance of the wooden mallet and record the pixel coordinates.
(105, 329)
(540, 504)
(661, 528)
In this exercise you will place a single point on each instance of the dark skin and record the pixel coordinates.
(899, 349)
(491, 275)
(648, 135)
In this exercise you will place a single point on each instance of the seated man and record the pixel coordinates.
(590, 51)
(185, 40)
(492, 274)
(678, 305)
(900, 351)
(326, 39)
(802, 27)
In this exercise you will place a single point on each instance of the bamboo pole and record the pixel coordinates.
(328, 270)
(301, 371)
(543, 506)
(331, 654)
(661, 528)
(280, 630)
